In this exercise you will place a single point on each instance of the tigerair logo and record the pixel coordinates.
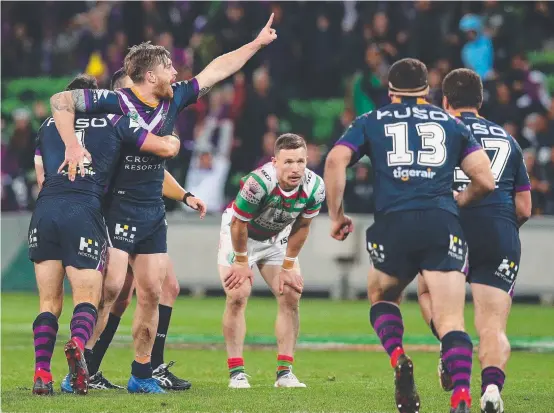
(404, 174)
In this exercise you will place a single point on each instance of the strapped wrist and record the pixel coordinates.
(288, 263)
(187, 195)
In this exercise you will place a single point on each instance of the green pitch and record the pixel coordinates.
(336, 360)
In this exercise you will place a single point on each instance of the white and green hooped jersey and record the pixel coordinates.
(269, 209)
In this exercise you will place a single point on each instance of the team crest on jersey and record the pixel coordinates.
(507, 270)
(456, 247)
(125, 233)
(376, 252)
(133, 115)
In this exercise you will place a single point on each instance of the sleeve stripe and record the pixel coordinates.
(523, 188)
(470, 150)
(245, 216)
(310, 215)
(348, 145)
(235, 213)
(195, 86)
(313, 209)
(87, 93)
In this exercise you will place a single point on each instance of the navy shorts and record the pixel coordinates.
(494, 251)
(137, 229)
(403, 243)
(71, 232)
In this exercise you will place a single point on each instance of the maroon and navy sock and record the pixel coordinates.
(284, 364)
(83, 322)
(457, 354)
(386, 319)
(492, 375)
(45, 329)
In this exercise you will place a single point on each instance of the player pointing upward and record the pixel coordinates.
(414, 148)
(136, 212)
(267, 226)
(491, 229)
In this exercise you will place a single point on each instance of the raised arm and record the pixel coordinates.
(172, 190)
(228, 64)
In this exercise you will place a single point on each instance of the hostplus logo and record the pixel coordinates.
(88, 248)
(507, 270)
(456, 248)
(404, 174)
(125, 233)
(376, 252)
(33, 240)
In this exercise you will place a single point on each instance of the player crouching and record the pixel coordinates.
(267, 226)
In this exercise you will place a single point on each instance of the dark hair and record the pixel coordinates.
(143, 58)
(408, 77)
(463, 89)
(117, 77)
(82, 81)
(289, 141)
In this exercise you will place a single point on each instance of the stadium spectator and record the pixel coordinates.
(477, 53)
(324, 51)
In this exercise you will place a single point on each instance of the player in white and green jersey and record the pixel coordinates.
(267, 226)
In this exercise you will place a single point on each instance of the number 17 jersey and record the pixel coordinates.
(414, 148)
(508, 168)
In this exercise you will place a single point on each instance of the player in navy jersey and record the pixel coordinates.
(491, 227)
(118, 291)
(67, 231)
(153, 102)
(414, 148)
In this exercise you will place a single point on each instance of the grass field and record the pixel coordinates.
(352, 378)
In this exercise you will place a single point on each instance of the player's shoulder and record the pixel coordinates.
(266, 175)
(311, 180)
(314, 185)
(185, 84)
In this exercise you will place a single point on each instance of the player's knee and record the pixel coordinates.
(290, 298)
(109, 294)
(236, 300)
(149, 294)
(172, 288)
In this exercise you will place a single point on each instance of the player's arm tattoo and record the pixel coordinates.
(70, 101)
(203, 91)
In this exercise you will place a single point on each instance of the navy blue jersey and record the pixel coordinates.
(103, 136)
(414, 148)
(508, 168)
(140, 177)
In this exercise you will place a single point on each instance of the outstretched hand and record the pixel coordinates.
(267, 35)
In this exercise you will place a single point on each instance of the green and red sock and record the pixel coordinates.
(236, 365)
(284, 364)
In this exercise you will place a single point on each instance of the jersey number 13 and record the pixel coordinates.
(433, 149)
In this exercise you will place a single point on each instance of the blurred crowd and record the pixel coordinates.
(324, 51)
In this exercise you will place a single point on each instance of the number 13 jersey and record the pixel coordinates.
(414, 148)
